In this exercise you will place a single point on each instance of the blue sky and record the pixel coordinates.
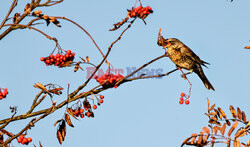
(144, 112)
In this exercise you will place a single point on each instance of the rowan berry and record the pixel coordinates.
(186, 102)
(100, 100)
(94, 106)
(181, 102)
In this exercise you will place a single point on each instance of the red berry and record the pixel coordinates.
(100, 100)
(77, 112)
(42, 58)
(19, 140)
(68, 52)
(47, 61)
(24, 141)
(86, 108)
(181, 99)
(88, 114)
(182, 94)
(81, 111)
(94, 106)
(21, 137)
(82, 115)
(29, 139)
(51, 56)
(186, 102)
(101, 96)
(180, 102)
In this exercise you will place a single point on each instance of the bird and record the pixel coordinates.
(183, 57)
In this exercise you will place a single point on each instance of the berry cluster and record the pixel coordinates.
(181, 101)
(58, 59)
(86, 110)
(141, 12)
(4, 93)
(21, 139)
(108, 80)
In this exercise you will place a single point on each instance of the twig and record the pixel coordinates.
(13, 5)
(32, 28)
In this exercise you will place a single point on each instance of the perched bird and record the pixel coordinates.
(184, 57)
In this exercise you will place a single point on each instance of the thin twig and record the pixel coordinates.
(13, 5)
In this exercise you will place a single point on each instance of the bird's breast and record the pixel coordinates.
(180, 59)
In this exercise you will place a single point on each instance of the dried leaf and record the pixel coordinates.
(228, 122)
(218, 113)
(193, 139)
(236, 143)
(62, 127)
(68, 120)
(247, 47)
(206, 130)
(244, 118)
(232, 128)
(211, 108)
(212, 113)
(205, 139)
(200, 139)
(213, 118)
(248, 125)
(215, 129)
(232, 110)
(223, 129)
(71, 113)
(185, 141)
(66, 64)
(59, 136)
(57, 122)
(222, 113)
(87, 58)
(239, 114)
(61, 131)
(56, 91)
(40, 86)
(240, 133)
(208, 104)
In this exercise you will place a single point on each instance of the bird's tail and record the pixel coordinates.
(204, 79)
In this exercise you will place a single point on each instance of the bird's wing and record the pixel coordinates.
(187, 51)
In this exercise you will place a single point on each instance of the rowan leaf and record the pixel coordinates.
(244, 118)
(218, 113)
(223, 129)
(208, 103)
(71, 113)
(228, 122)
(206, 130)
(239, 114)
(68, 120)
(211, 108)
(205, 139)
(185, 141)
(57, 122)
(236, 143)
(232, 110)
(59, 136)
(232, 128)
(240, 133)
(222, 113)
(200, 139)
